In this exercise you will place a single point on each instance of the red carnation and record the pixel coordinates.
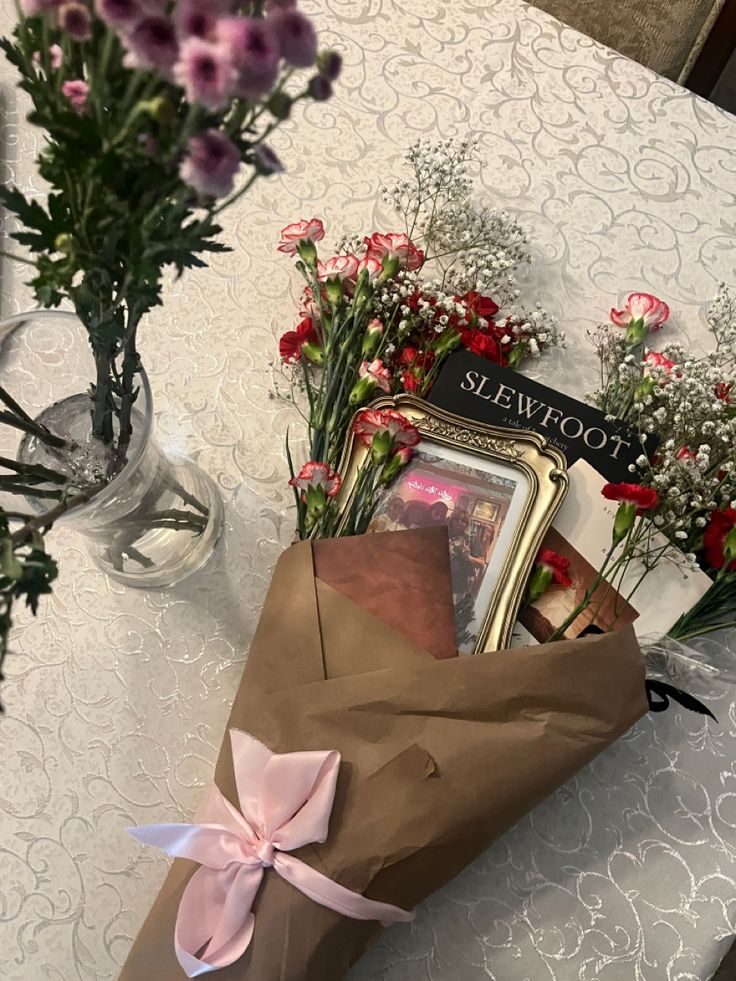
(558, 565)
(417, 363)
(479, 305)
(483, 344)
(720, 539)
(292, 342)
(644, 498)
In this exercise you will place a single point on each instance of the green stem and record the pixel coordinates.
(33, 429)
(18, 258)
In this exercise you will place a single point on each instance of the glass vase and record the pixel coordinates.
(153, 524)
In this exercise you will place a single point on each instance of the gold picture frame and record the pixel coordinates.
(521, 469)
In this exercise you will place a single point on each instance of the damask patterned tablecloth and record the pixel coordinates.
(117, 700)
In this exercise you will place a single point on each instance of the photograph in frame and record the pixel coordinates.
(496, 491)
(480, 504)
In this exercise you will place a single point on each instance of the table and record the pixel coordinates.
(117, 700)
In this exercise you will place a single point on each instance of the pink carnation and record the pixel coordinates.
(311, 230)
(644, 307)
(656, 360)
(396, 246)
(211, 164)
(376, 371)
(315, 474)
(342, 267)
(374, 422)
(372, 266)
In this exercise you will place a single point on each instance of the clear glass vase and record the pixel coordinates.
(158, 520)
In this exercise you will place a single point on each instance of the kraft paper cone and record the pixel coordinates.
(440, 757)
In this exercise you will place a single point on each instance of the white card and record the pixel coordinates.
(582, 531)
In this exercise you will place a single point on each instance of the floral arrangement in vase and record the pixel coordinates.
(156, 118)
(383, 312)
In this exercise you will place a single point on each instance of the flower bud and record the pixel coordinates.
(333, 290)
(279, 105)
(372, 338)
(396, 464)
(320, 88)
(362, 390)
(329, 64)
(158, 109)
(64, 243)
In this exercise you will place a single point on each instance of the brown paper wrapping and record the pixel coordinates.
(440, 755)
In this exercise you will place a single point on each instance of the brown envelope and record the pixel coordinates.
(439, 756)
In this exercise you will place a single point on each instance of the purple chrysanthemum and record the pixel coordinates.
(195, 18)
(211, 164)
(254, 51)
(206, 72)
(153, 45)
(123, 15)
(296, 36)
(74, 18)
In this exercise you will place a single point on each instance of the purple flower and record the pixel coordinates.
(206, 72)
(153, 44)
(77, 92)
(211, 164)
(123, 15)
(74, 18)
(296, 36)
(195, 18)
(254, 51)
(266, 160)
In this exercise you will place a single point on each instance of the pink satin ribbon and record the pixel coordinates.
(285, 803)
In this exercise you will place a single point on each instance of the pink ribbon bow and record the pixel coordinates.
(285, 803)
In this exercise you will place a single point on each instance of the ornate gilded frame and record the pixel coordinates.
(543, 466)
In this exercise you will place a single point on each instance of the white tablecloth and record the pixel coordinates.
(117, 700)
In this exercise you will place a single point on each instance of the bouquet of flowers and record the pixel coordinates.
(369, 771)
(681, 501)
(157, 117)
(383, 312)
